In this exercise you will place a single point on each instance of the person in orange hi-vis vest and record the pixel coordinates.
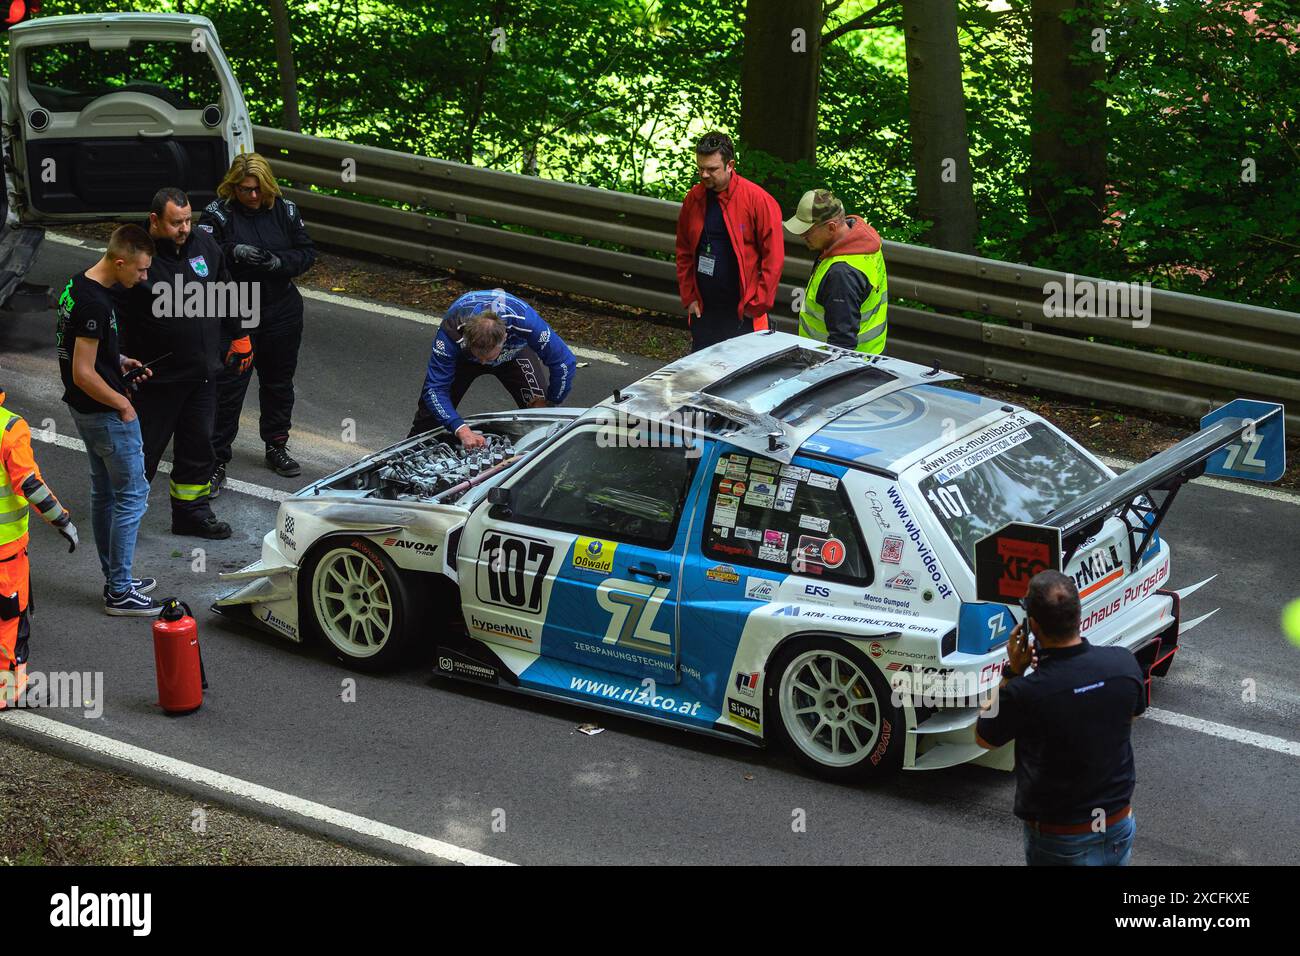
(21, 485)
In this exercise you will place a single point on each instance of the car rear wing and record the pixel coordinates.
(1243, 439)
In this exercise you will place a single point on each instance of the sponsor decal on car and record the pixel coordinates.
(923, 550)
(761, 492)
(828, 482)
(746, 714)
(900, 606)
(747, 684)
(723, 573)
(878, 754)
(956, 453)
(731, 486)
(724, 510)
(760, 589)
(891, 551)
(1102, 566)
(279, 624)
(785, 493)
(518, 632)
(646, 696)
(828, 552)
(878, 510)
(1132, 594)
(286, 535)
(902, 581)
(419, 547)
(594, 554)
(813, 523)
(450, 662)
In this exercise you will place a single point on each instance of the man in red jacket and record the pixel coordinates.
(730, 248)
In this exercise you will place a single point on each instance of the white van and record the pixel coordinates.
(100, 111)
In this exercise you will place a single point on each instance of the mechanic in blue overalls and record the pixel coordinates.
(491, 332)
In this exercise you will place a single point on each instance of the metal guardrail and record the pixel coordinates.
(988, 317)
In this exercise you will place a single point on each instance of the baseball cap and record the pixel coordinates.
(816, 206)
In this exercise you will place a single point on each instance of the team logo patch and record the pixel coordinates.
(200, 266)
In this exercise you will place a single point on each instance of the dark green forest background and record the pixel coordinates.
(1191, 114)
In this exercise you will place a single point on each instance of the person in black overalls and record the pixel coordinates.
(180, 327)
(265, 240)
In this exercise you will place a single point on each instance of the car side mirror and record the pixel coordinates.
(501, 501)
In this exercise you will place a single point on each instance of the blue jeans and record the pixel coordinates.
(119, 494)
(1112, 848)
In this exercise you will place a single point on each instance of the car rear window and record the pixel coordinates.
(1016, 474)
(67, 77)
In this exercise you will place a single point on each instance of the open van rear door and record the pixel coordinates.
(102, 110)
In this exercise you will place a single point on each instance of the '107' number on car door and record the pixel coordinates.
(510, 562)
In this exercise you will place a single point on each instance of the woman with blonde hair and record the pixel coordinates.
(264, 240)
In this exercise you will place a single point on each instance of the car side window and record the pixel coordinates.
(783, 518)
(607, 490)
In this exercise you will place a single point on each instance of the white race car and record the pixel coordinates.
(767, 540)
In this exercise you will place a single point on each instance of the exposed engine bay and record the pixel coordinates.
(435, 469)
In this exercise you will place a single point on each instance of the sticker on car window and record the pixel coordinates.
(785, 496)
(811, 523)
(761, 494)
(829, 482)
(724, 510)
(794, 473)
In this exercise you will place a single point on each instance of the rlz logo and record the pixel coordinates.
(512, 570)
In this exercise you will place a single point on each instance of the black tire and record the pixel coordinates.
(366, 597)
(855, 734)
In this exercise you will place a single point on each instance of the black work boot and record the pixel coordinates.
(210, 527)
(280, 462)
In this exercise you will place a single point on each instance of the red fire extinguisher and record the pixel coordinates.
(177, 660)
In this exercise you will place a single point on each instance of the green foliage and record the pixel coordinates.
(613, 93)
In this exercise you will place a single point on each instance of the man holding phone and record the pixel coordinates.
(1071, 721)
(92, 369)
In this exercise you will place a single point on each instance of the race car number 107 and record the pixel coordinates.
(514, 569)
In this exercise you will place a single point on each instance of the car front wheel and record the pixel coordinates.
(358, 603)
(833, 710)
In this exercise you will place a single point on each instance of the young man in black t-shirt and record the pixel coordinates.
(92, 367)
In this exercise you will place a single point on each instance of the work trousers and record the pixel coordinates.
(182, 414)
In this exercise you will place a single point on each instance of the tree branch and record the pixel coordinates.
(860, 22)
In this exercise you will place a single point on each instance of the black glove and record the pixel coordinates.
(245, 253)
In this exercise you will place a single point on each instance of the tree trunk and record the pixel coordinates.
(1068, 119)
(284, 60)
(778, 77)
(940, 148)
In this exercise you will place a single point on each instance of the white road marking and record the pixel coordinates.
(265, 796)
(164, 467)
(410, 315)
(1236, 734)
(1241, 488)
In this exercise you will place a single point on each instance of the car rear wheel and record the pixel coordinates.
(358, 604)
(833, 710)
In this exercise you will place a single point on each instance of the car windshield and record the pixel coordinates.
(1022, 475)
(66, 77)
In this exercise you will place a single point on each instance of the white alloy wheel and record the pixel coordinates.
(829, 708)
(352, 602)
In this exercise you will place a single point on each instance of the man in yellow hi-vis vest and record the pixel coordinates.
(848, 294)
(21, 485)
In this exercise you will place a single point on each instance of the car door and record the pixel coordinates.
(583, 565)
(108, 108)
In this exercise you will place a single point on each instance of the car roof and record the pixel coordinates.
(778, 395)
(890, 431)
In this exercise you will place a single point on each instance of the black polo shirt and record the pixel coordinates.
(1070, 720)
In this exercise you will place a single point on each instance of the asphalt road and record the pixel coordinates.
(447, 760)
